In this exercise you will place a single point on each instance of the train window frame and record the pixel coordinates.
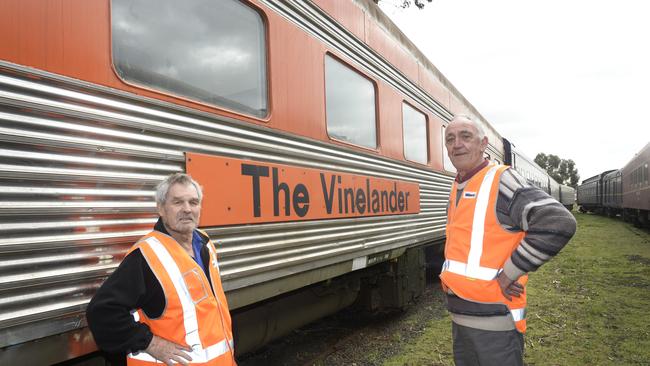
(349, 67)
(426, 134)
(264, 69)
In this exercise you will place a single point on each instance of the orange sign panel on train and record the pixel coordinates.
(237, 191)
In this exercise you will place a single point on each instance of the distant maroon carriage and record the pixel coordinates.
(623, 192)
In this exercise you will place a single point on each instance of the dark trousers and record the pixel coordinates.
(477, 347)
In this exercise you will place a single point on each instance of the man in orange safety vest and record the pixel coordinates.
(165, 302)
(499, 228)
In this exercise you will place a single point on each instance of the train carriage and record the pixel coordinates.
(533, 173)
(625, 191)
(537, 176)
(589, 193)
(315, 128)
(554, 188)
(636, 187)
(612, 193)
(567, 196)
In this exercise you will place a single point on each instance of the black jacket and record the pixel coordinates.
(132, 286)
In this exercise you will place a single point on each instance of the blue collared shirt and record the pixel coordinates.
(196, 248)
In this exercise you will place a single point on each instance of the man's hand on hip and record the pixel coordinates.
(166, 351)
(509, 288)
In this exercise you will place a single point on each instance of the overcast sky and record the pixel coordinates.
(569, 78)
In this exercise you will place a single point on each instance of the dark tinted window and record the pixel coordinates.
(212, 51)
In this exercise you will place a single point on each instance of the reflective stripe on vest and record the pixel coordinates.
(518, 314)
(214, 257)
(478, 226)
(189, 312)
(198, 355)
(481, 273)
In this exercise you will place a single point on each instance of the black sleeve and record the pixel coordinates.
(132, 286)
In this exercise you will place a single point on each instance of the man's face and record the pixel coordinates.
(463, 145)
(182, 209)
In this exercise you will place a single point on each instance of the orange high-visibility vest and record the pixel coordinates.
(477, 246)
(194, 315)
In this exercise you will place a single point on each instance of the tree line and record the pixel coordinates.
(564, 171)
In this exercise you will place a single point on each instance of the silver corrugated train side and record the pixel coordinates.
(79, 167)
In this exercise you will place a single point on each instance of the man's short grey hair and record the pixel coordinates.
(177, 178)
(479, 127)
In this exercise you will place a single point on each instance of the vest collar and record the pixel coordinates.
(472, 172)
(159, 226)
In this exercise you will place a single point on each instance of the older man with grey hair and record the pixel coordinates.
(499, 228)
(165, 302)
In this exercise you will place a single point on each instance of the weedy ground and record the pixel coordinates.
(588, 306)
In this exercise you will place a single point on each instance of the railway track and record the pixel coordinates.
(350, 338)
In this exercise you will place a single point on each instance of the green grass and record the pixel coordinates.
(589, 306)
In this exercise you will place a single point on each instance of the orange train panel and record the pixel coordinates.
(346, 13)
(388, 117)
(65, 37)
(237, 191)
(73, 38)
(388, 48)
(391, 136)
(297, 74)
(433, 86)
(456, 106)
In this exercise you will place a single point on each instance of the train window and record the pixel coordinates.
(446, 162)
(414, 127)
(217, 58)
(350, 105)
